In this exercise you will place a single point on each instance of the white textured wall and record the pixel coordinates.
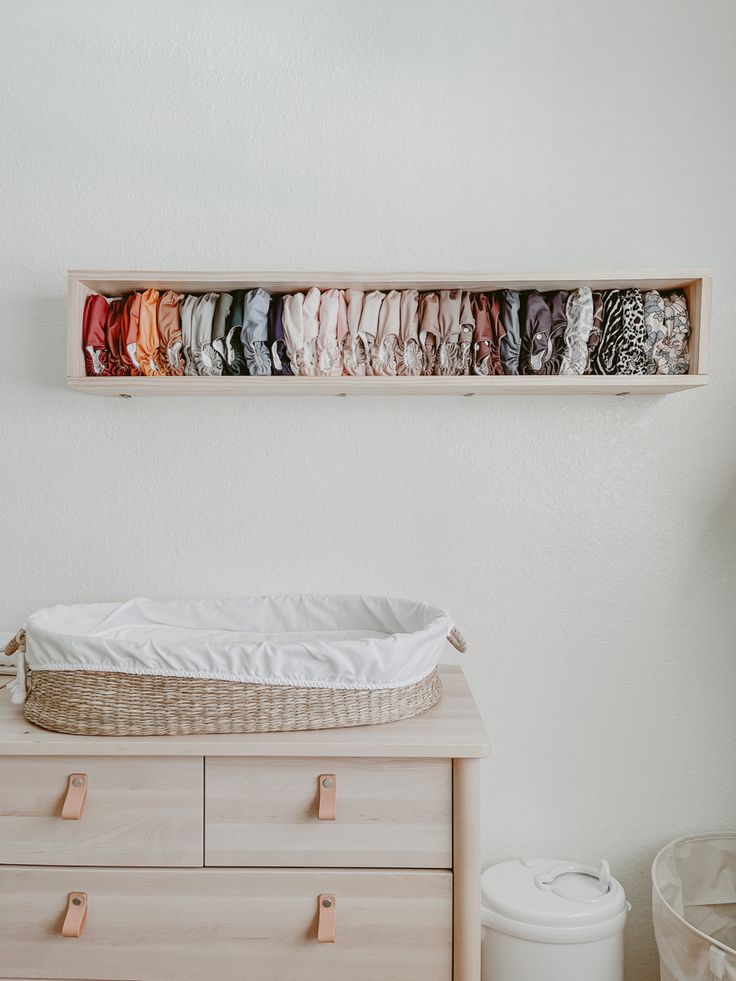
(585, 545)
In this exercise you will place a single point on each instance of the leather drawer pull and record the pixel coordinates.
(327, 797)
(76, 915)
(326, 922)
(76, 797)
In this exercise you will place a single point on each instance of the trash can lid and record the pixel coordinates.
(551, 893)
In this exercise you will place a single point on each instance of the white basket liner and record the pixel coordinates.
(342, 642)
(694, 908)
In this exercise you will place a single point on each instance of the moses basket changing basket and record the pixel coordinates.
(258, 664)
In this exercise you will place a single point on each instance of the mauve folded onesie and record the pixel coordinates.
(510, 343)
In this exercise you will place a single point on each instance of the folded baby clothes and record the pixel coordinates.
(536, 326)
(384, 354)
(186, 310)
(557, 302)
(114, 332)
(234, 363)
(579, 317)
(510, 343)
(467, 330)
(169, 331)
(631, 359)
(487, 335)
(355, 356)
(449, 326)
(206, 359)
(148, 341)
(277, 343)
(674, 358)
(368, 327)
(219, 326)
(310, 331)
(255, 332)
(131, 321)
(606, 353)
(333, 328)
(449, 332)
(94, 338)
(595, 334)
(293, 321)
(429, 331)
(409, 357)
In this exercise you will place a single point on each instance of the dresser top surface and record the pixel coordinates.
(452, 729)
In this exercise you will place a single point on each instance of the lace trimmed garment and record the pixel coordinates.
(169, 331)
(94, 337)
(254, 334)
(510, 342)
(384, 355)
(409, 358)
(579, 316)
(606, 353)
(631, 358)
(429, 331)
(487, 334)
(355, 356)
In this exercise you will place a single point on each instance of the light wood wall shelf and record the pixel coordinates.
(697, 286)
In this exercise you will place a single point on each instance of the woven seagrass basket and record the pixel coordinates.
(107, 703)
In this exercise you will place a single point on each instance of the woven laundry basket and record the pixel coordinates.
(260, 664)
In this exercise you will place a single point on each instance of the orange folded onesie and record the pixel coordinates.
(148, 341)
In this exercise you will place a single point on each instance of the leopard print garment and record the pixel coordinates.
(606, 353)
(631, 358)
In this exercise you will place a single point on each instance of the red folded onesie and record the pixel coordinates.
(131, 322)
(96, 355)
(115, 340)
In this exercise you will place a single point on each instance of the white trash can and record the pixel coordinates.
(560, 921)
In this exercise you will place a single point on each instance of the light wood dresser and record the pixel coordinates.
(332, 855)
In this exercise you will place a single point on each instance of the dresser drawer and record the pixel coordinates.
(137, 812)
(388, 813)
(227, 924)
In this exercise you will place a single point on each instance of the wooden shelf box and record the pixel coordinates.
(696, 285)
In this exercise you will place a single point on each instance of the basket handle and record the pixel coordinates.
(457, 640)
(18, 643)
